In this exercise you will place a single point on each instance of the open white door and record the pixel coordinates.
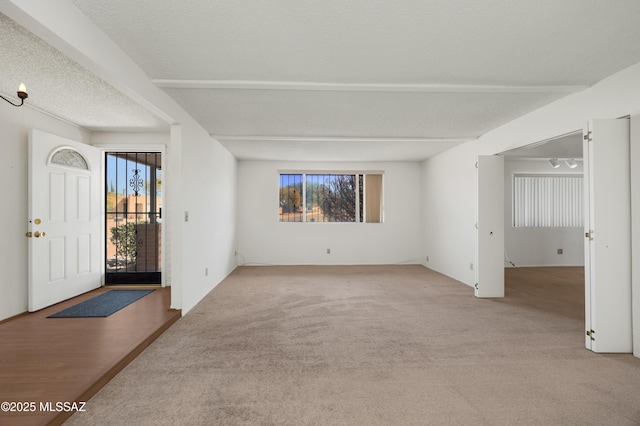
(64, 219)
(490, 235)
(607, 236)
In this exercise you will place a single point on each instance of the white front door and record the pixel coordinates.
(607, 236)
(490, 235)
(64, 221)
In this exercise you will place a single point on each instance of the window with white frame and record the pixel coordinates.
(330, 197)
(547, 201)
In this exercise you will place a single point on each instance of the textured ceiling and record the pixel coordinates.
(59, 86)
(366, 79)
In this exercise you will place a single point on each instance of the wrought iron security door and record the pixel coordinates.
(133, 217)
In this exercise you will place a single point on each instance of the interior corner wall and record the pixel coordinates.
(263, 240)
(635, 231)
(449, 214)
(208, 196)
(15, 124)
(539, 246)
(449, 179)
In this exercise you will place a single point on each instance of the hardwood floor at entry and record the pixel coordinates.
(49, 360)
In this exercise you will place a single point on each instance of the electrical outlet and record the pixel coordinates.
(328, 251)
(206, 272)
(559, 251)
(186, 216)
(427, 258)
(471, 266)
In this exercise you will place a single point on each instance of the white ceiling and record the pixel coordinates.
(336, 80)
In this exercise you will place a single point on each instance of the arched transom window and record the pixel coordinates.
(70, 158)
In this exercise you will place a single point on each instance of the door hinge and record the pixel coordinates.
(476, 286)
(591, 334)
(589, 235)
(476, 164)
(587, 137)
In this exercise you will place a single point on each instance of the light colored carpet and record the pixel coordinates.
(374, 345)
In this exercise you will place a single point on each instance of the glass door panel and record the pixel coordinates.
(133, 217)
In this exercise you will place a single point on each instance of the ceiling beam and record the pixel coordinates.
(362, 87)
(336, 139)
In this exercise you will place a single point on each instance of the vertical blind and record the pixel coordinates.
(547, 201)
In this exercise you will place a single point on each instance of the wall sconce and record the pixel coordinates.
(571, 163)
(22, 94)
(554, 163)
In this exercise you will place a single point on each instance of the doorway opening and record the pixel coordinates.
(544, 225)
(544, 206)
(133, 218)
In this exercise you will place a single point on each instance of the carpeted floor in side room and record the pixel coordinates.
(375, 345)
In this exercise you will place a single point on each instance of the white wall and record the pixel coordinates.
(635, 231)
(125, 139)
(449, 179)
(208, 192)
(262, 239)
(449, 214)
(15, 124)
(539, 246)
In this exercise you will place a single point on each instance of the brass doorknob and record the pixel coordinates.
(29, 234)
(38, 233)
